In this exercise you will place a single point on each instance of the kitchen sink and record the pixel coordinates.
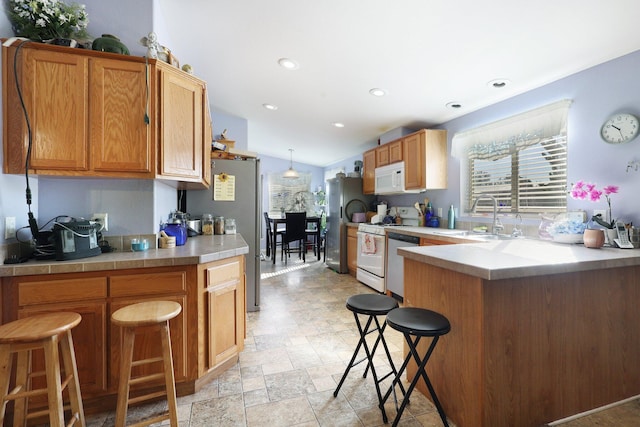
(476, 236)
(451, 232)
(494, 236)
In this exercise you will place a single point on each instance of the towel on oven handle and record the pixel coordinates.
(368, 244)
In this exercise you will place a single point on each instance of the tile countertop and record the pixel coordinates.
(522, 257)
(197, 250)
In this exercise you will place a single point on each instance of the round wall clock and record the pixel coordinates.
(620, 128)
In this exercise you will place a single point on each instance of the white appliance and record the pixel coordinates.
(394, 279)
(389, 179)
(371, 256)
(373, 267)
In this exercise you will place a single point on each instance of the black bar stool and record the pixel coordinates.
(371, 305)
(418, 322)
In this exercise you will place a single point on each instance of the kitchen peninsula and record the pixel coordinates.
(539, 330)
(206, 277)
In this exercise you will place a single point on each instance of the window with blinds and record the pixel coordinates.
(524, 178)
(520, 160)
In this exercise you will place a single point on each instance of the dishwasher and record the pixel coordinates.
(395, 262)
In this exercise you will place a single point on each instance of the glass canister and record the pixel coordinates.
(230, 226)
(218, 225)
(207, 224)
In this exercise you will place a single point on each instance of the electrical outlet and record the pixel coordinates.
(102, 218)
(10, 227)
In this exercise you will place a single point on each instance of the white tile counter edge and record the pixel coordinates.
(505, 259)
(197, 250)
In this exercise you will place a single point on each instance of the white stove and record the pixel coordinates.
(372, 251)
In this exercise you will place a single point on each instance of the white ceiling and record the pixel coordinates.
(424, 53)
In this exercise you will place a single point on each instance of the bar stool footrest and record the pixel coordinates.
(146, 379)
(146, 361)
(145, 397)
(150, 421)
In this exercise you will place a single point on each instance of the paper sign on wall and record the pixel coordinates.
(224, 187)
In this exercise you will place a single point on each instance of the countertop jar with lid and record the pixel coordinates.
(218, 225)
(230, 226)
(207, 224)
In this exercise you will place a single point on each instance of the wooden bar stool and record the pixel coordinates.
(42, 331)
(151, 313)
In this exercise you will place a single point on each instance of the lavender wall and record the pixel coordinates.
(597, 93)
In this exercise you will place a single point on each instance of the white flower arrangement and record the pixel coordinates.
(43, 20)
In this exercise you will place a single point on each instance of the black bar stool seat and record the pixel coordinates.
(371, 305)
(418, 323)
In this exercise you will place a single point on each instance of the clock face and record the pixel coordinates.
(620, 128)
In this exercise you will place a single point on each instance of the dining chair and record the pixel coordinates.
(270, 231)
(311, 238)
(295, 232)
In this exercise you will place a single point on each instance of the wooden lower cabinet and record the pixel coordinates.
(352, 249)
(222, 297)
(210, 327)
(129, 289)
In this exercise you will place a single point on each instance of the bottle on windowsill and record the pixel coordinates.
(451, 219)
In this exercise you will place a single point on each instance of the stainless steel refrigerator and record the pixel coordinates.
(245, 208)
(344, 197)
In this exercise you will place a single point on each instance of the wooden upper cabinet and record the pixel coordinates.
(104, 115)
(181, 112)
(382, 155)
(425, 160)
(55, 92)
(206, 141)
(368, 171)
(121, 140)
(395, 151)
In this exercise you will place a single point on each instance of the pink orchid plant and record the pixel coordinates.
(585, 190)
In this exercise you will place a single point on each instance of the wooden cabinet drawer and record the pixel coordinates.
(54, 291)
(225, 271)
(148, 284)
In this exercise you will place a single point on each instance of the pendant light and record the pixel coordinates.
(291, 173)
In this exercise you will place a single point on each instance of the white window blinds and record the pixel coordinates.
(521, 161)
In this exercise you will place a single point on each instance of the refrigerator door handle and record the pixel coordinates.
(340, 212)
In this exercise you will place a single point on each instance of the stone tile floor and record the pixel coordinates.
(296, 350)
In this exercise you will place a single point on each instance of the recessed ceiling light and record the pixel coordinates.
(499, 83)
(270, 107)
(289, 64)
(338, 124)
(377, 92)
(454, 105)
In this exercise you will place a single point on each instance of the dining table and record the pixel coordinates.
(275, 221)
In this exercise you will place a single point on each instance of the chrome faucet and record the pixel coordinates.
(517, 231)
(497, 225)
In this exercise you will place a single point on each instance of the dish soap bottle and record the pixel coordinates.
(451, 221)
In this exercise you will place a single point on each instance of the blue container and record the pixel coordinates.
(434, 222)
(177, 230)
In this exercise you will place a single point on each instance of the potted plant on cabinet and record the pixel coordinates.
(50, 21)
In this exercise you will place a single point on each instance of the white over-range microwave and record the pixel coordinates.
(389, 179)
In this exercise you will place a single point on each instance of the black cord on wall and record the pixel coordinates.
(33, 225)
